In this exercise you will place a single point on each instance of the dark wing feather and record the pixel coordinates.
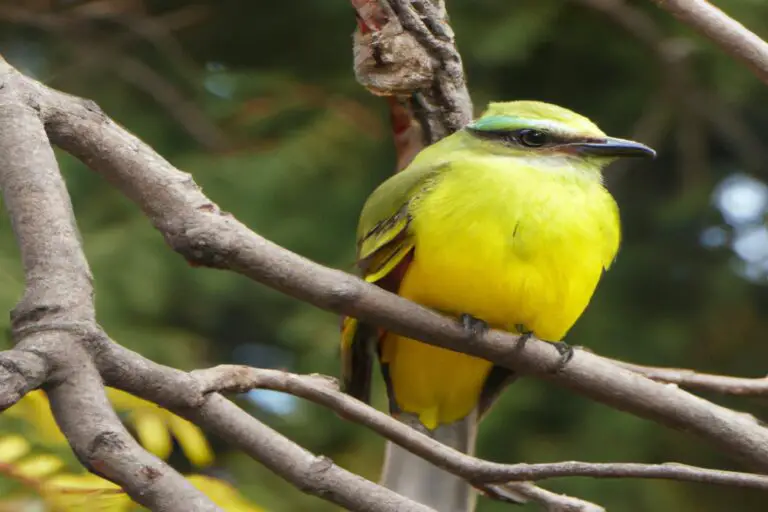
(385, 248)
(496, 382)
(384, 266)
(358, 348)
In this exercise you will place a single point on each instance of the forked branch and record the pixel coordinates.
(61, 348)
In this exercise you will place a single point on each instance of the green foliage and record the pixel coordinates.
(307, 145)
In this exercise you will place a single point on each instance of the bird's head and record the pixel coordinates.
(548, 133)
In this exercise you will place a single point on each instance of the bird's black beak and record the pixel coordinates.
(612, 147)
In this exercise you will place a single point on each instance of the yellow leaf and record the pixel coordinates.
(223, 494)
(38, 466)
(12, 448)
(84, 482)
(127, 402)
(152, 432)
(192, 441)
(19, 504)
(35, 410)
(154, 426)
(84, 493)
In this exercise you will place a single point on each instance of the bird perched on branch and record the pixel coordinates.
(504, 224)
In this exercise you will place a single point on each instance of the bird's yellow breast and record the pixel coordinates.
(510, 244)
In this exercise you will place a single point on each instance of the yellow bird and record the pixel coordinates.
(506, 223)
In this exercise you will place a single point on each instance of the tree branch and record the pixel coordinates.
(406, 49)
(681, 92)
(56, 314)
(736, 40)
(21, 371)
(324, 391)
(204, 235)
(410, 54)
(316, 475)
(103, 445)
(184, 394)
(526, 492)
(412, 128)
(690, 379)
(131, 372)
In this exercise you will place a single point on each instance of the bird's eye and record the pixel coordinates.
(533, 138)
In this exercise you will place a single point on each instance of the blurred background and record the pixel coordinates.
(258, 101)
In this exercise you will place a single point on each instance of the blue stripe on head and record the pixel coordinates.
(517, 115)
(511, 123)
(497, 123)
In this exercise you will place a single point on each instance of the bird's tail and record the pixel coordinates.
(413, 477)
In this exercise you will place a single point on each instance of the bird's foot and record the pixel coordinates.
(525, 334)
(566, 353)
(473, 325)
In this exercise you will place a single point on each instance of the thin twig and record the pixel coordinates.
(526, 492)
(681, 91)
(91, 49)
(183, 393)
(186, 113)
(186, 394)
(729, 34)
(324, 391)
(690, 379)
(21, 371)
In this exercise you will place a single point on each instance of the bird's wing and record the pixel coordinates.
(385, 246)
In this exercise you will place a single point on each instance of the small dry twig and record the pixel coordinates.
(690, 379)
(729, 34)
(324, 391)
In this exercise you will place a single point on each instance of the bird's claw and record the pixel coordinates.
(565, 350)
(473, 325)
(566, 353)
(525, 334)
